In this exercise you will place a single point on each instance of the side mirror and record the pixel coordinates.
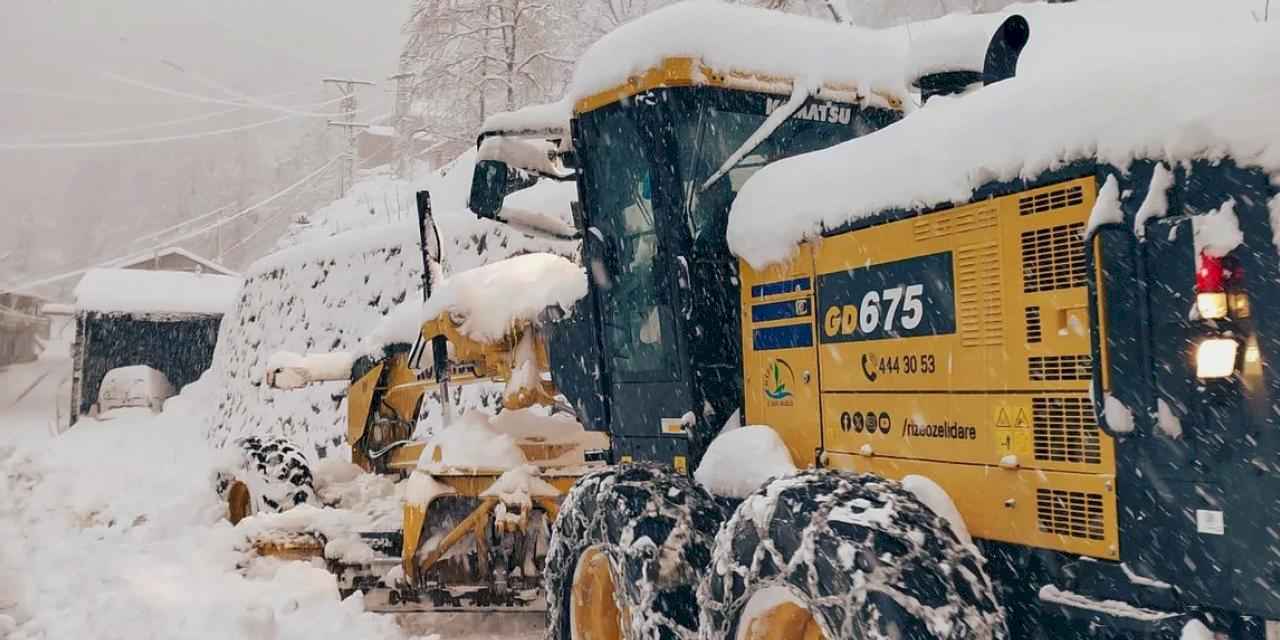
(488, 188)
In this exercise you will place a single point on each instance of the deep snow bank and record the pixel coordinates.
(113, 530)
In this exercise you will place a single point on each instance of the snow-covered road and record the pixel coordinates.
(33, 395)
(112, 530)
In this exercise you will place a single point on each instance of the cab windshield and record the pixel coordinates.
(711, 124)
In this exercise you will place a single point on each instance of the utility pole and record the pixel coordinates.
(347, 87)
(403, 146)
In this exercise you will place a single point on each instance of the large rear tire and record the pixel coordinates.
(272, 475)
(824, 554)
(627, 553)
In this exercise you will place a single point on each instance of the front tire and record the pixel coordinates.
(271, 475)
(627, 553)
(824, 554)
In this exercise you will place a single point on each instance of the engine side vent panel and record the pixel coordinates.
(1051, 200)
(1034, 329)
(1064, 430)
(940, 225)
(979, 295)
(1059, 368)
(1075, 514)
(1053, 258)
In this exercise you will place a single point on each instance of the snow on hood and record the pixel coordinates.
(731, 37)
(1169, 81)
(143, 291)
(489, 300)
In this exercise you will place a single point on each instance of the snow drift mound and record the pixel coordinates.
(331, 291)
(100, 526)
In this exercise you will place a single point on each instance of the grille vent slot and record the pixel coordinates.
(1053, 258)
(1034, 329)
(1070, 513)
(937, 225)
(1059, 368)
(1050, 200)
(978, 292)
(1064, 430)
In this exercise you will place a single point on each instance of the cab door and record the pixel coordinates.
(635, 280)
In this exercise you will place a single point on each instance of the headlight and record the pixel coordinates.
(1212, 306)
(1216, 358)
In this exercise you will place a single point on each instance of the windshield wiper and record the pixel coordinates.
(799, 93)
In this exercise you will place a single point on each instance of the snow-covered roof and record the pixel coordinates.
(155, 292)
(381, 131)
(488, 300)
(734, 38)
(141, 260)
(1158, 79)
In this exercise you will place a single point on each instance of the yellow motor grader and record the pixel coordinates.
(918, 368)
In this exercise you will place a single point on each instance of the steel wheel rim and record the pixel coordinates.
(775, 614)
(238, 502)
(593, 611)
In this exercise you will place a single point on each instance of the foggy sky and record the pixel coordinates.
(254, 46)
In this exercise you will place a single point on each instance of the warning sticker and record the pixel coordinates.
(1013, 431)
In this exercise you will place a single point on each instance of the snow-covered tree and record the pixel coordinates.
(472, 58)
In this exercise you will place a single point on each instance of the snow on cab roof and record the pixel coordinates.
(1161, 80)
(733, 38)
(1155, 80)
(155, 292)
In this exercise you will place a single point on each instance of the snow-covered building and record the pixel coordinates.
(167, 320)
(173, 259)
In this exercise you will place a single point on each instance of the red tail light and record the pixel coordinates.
(1216, 277)
(1217, 273)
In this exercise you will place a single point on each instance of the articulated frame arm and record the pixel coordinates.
(384, 396)
(519, 358)
(391, 391)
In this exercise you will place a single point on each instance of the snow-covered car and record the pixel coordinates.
(133, 387)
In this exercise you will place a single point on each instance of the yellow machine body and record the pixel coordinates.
(953, 344)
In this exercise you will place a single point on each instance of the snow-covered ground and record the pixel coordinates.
(113, 530)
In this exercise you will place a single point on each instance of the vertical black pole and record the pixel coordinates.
(439, 344)
(424, 228)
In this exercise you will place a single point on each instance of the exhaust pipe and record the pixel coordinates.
(1004, 49)
(999, 63)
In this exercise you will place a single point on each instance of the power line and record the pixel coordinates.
(263, 224)
(72, 135)
(184, 223)
(212, 100)
(73, 97)
(172, 241)
(107, 144)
